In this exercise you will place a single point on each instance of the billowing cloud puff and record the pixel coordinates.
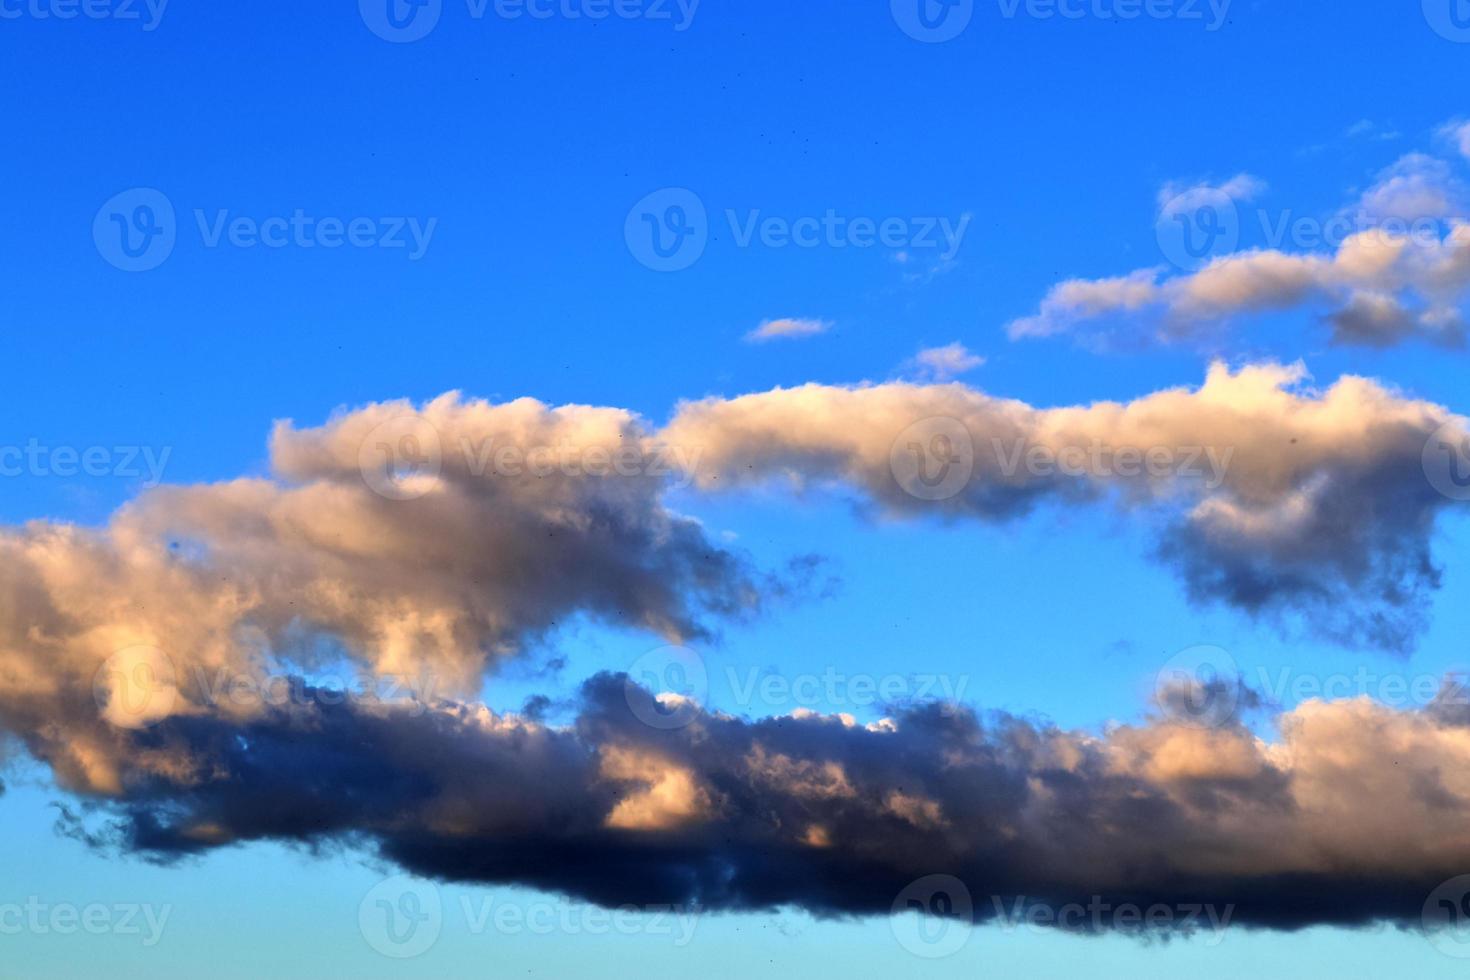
(481, 530)
(1275, 498)
(943, 363)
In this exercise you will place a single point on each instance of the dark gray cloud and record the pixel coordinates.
(819, 813)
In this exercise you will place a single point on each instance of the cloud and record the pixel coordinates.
(811, 811)
(1412, 189)
(1178, 198)
(1458, 132)
(787, 328)
(944, 363)
(1368, 129)
(167, 667)
(322, 563)
(1300, 506)
(1397, 268)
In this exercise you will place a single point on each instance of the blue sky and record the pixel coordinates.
(523, 144)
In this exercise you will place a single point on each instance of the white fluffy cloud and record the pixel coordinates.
(944, 363)
(787, 328)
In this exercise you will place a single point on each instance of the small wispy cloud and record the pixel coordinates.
(1177, 197)
(1368, 129)
(787, 328)
(942, 363)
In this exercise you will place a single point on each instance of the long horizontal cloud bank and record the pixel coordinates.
(821, 813)
(399, 539)
(1274, 498)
